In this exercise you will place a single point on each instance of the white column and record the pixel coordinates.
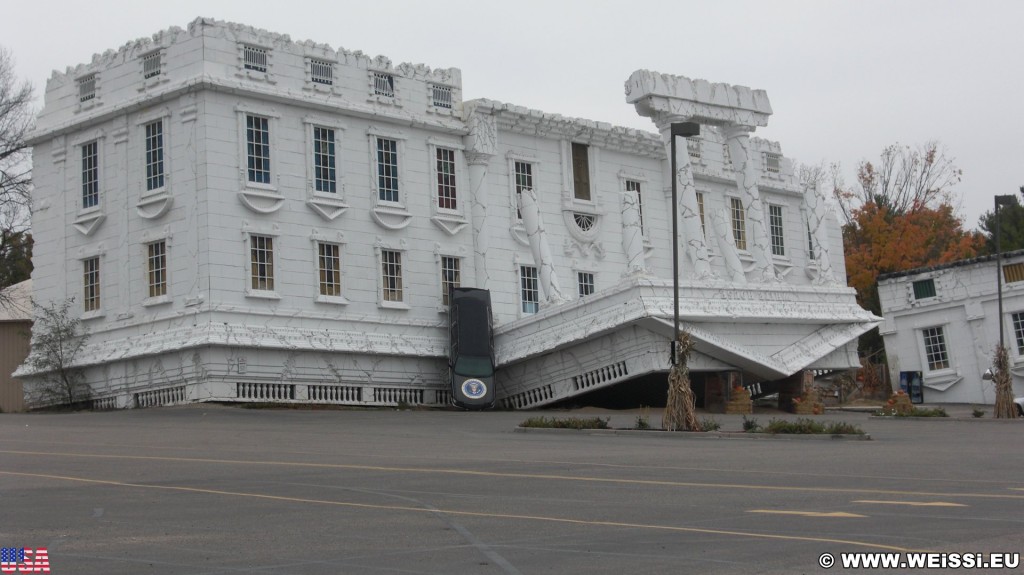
(738, 139)
(478, 166)
(817, 214)
(722, 230)
(530, 208)
(688, 213)
(632, 235)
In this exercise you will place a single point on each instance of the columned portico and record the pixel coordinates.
(737, 137)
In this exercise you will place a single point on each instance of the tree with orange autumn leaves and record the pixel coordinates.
(900, 218)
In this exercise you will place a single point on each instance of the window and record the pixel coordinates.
(156, 268)
(254, 58)
(441, 96)
(585, 281)
(1013, 273)
(90, 175)
(321, 72)
(528, 289)
(87, 88)
(585, 222)
(391, 275)
(700, 212)
(324, 169)
(257, 139)
(726, 156)
(154, 155)
(524, 181)
(387, 169)
(1018, 331)
(810, 244)
(634, 187)
(91, 284)
(450, 276)
(772, 162)
(581, 171)
(775, 229)
(446, 192)
(924, 289)
(739, 223)
(151, 65)
(329, 261)
(935, 348)
(383, 85)
(262, 259)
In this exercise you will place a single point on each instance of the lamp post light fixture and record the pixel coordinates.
(686, 130)
(1005, 200)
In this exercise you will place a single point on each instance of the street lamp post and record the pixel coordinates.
(686, 130)
(1005, 200)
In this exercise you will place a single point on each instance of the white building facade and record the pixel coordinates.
(242, 217)
(944, 321)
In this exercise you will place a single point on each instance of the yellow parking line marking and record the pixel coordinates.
(539, 476)
(840, 514)
(564, 520)
(912, 503)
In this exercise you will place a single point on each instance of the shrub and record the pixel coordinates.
(709, 424)
(806, 426)
(978, 412)
(751, 425)
(566, 422)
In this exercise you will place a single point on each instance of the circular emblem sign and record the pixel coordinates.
(474, 388)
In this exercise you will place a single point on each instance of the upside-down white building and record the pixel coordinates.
(243, 217)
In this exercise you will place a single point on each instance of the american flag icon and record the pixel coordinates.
(24, 560)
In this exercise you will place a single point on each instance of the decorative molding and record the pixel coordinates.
(154, 206)
(261, 202)
(88, 222)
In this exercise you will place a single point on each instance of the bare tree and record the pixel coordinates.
(16, 117)
(57, 340)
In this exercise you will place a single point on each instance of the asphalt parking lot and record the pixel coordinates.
(208, 489)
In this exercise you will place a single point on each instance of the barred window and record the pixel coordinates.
(155, 155)
(739, 223)
(693, 147)
(324, 169)
(87, 88)
(383, 84)
(387, 170)
(935, 348)
(450, 277)
(330, 269)
(441, 96)
(524, 181)
(772, 162)
(633, 186)
(446, 191)
(1013, 273)
(91, 284)
(156, 268)
(254, 58)
(391, 275)
(585, 282)
(924, 289)
(529, 292)
(257, 137)
(90, 175)
(811, 254)
(775, 228)
(321, 72)
(151, 65)
(262, 262)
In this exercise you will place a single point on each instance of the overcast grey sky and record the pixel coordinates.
(845, 77)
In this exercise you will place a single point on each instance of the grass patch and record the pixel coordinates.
(920, 412)
(566, 422)
(751, 425)
(709, 424)
(804, 426)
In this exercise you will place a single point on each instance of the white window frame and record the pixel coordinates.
(399, 138)
(1017, 329)
(97, 311)
(782, 230)
(732, 223)
(273, 127)
(322, 297)
(164, 155)
(99, 176)
(513, 158)
(923, 350)
(569, 199)
(626, 176)
(402, 250)
(579, 282)
(92, 97)
(311, 124)
(149, 299)
(520, 277)
(336, 238)
(272, 232)
(382, 98)
(313, 65)
(441, 275)
(461, 183)
(256, 74)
